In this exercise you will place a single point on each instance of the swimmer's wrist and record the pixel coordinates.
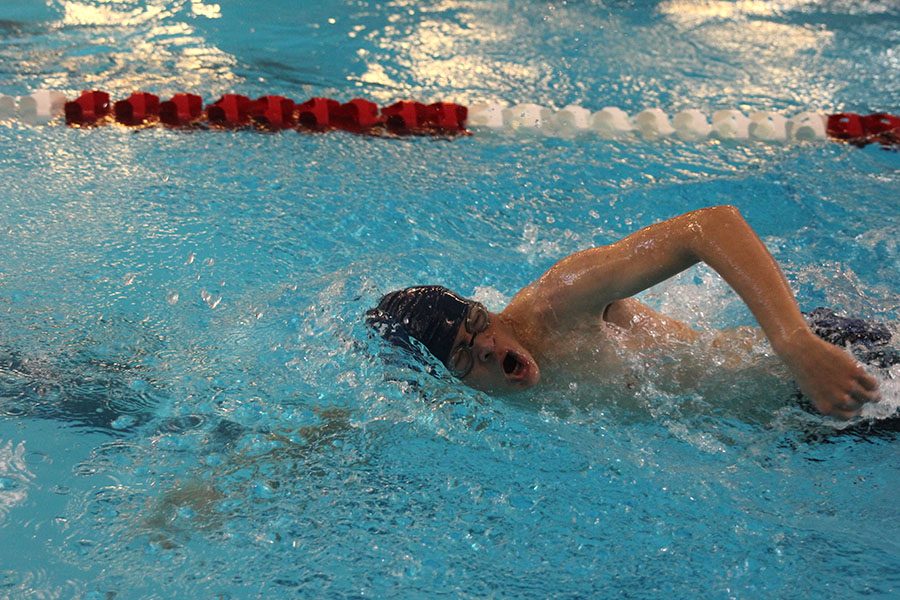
(793, 342)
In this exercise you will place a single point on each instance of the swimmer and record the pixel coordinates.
(588, 296)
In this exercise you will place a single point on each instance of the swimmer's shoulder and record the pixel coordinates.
(531, 317)
(527, 309)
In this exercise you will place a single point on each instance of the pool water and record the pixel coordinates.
(190, 405)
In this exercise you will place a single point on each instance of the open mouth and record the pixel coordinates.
(512, 365)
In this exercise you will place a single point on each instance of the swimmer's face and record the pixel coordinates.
(499, 363)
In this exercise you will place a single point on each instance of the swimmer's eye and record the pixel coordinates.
(478, 319)
(461, 360)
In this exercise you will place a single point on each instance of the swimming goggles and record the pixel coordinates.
(461, 359)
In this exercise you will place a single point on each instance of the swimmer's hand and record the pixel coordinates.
(837, 385)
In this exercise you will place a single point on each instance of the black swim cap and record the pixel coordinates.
(429, 313)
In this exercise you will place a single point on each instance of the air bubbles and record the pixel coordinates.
(8, 484)
(123, 422)
(211, 300)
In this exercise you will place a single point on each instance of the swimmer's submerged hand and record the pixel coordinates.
(837, 385)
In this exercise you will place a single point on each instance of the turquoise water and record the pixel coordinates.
(190, 405)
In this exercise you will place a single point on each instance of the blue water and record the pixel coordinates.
(191, 407)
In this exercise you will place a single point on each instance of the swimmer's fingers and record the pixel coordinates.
(866, 381)
(860, 396)
(851, 404)
(863, 395)
(865, 387)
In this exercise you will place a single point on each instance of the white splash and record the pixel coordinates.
(889, 405)
(14, 477)
(491, 297)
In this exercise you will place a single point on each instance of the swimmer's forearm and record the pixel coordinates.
(729, 245)
(835, 382)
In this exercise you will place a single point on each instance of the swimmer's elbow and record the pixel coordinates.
(724, 215)
(705, 230)
(716, 221)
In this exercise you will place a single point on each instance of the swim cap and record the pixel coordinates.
(431, 314)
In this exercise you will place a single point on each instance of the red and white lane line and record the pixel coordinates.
(141, 109)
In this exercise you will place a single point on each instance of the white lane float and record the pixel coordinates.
(691, 125)
(611, 122)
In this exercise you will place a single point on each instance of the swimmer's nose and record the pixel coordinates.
(485, 355)
(484, 351)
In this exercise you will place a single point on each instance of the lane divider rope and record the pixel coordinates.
(231, 111)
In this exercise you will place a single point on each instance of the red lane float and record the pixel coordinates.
(138, 109)
(845, 126)
(881, 128)
(404, 116)
(275, 113)
(446, 116)
(231, 110)
(407, 117)
(88, 109)
(182, 110)
(316, 113)
(358, 115)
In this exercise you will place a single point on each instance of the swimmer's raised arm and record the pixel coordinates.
(584, 284)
